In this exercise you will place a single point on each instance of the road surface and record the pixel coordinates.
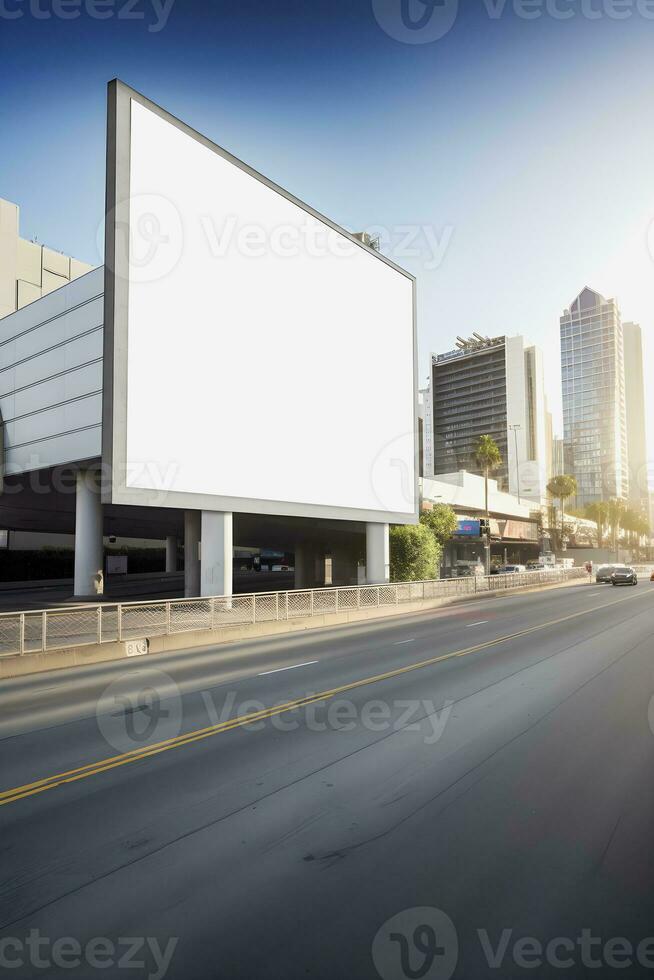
(467, 792)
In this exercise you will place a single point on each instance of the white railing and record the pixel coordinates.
(43, 630)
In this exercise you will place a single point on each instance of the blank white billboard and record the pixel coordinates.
(261, 359)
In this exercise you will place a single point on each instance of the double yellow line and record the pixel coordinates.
(135, 755)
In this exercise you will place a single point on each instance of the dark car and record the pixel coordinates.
(605, 572)
(624, 576)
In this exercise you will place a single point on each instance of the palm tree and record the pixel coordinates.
(616, 511)
(629, 524)
(488, 457)
(635, 523)
(561, 487)
(598, 512)
(642, 529)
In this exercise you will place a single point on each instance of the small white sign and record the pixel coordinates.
(137, 648)
(116, 564)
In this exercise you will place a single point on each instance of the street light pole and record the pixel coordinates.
(515, 428)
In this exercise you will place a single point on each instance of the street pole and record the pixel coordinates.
(487, 537)
(487, 548)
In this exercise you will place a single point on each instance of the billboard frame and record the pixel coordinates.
(116, 302)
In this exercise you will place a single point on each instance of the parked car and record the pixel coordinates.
(624, 576)
(511, 569)
(604, 572)
(466, 569)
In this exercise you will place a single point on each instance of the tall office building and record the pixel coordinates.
(594, 407)
(489, 386)
(29, 270)
(635, 409)
(558, 456)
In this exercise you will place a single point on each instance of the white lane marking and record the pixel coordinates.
(291, 667)
(399, 642)
(479, 623)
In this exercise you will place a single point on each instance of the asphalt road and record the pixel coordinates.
(489, 813)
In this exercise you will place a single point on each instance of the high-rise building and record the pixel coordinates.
(635, 408)
(594, 408)
(558, 456)
(489, 386)
(29, 270)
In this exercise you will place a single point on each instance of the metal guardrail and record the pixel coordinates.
(44, 630)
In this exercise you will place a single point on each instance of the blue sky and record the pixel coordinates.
(520, 151)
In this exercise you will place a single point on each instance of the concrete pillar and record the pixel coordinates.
(171, 553)
(217, 553)
(88, 532)
(192, 553)
(377, 554)
(319, 568)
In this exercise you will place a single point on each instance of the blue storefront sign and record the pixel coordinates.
(468, 529)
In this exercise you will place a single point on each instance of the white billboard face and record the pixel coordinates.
(262, 360)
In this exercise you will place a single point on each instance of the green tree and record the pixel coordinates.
(598, 512)
(414, 553)
(560, 488)
(441, 521)
(643, 529)
(635, 523)
(616, 510)
(629, 523)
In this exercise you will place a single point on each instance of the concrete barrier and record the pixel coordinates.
(76, 656)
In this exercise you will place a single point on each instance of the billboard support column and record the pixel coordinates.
(217, 553)
(88, 533)
(191, 553)
(377, 554)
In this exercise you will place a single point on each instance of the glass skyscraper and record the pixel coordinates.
(594, 413)
(635, 408)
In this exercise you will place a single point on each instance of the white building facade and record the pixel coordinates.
(29, 270)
